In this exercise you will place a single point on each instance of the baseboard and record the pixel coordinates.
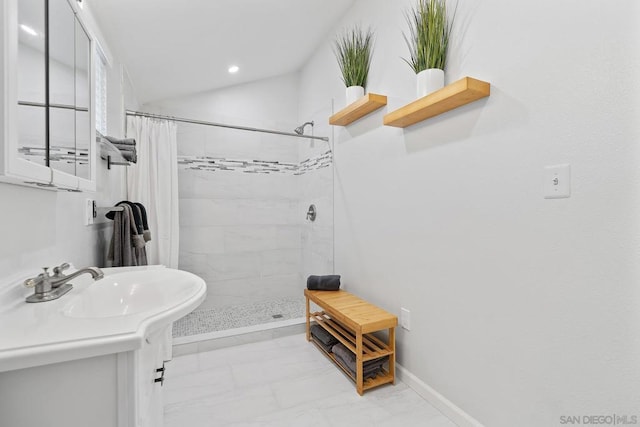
(441, 403)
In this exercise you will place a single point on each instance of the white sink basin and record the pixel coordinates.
(113, 315)
(128, 293)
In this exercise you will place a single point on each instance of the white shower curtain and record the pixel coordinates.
(153, 181)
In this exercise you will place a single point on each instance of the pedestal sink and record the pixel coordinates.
(125, 294)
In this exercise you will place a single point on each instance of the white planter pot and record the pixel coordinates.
(354, 93)
(429, 81)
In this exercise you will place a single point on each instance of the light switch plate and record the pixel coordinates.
(88, 212)
(557, 181)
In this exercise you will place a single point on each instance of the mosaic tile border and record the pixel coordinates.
(206, 163)
(58, 154)
(213, 164)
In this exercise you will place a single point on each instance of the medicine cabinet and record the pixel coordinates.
(47, 121)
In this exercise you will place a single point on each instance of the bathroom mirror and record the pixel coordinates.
(31, 81)
(62, 141)
(65, 143)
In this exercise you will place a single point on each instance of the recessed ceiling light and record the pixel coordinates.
(27, 29)
(234, 69)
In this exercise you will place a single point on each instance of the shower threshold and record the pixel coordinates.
(189, 339)
(221, 322)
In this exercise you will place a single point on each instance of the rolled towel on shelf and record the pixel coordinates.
(130, 156)
(324, 283)
(123, 147)
(126, 147)
(127, 150)
(121, 141)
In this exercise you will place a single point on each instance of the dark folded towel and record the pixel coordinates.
(325, 347)
(323, 336)
(324, 283)
(366, 374)
(122, 141)
(350, 359)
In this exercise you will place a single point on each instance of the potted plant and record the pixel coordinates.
(428, 39)
(353, 50)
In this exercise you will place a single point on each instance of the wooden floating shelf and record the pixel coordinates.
(363, 106)
(457, 94)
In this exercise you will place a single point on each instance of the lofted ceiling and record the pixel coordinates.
(176, 47)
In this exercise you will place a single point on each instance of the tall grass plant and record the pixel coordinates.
(353, 50)
(428, 38)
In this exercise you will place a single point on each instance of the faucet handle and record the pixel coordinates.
(35, 281)
(57, 271)
(31, 283)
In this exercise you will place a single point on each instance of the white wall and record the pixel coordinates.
(523, 309)
(45, 228)
(269, 103)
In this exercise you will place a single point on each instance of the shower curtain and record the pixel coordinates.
(153, 181)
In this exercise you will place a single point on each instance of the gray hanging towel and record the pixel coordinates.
(121, 251)
(127, 246)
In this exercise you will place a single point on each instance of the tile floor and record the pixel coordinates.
(279, 383)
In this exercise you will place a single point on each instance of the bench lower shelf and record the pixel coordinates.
(384, 378)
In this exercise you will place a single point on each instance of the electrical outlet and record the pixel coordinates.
(405, 319)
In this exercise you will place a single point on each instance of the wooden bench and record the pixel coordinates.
(352, 321)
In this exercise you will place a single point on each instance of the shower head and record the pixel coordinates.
(300, 129)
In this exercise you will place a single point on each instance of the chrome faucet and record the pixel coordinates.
(49, 287)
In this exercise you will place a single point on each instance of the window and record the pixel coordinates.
(101, 91)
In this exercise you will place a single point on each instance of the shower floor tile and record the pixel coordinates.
(203, 321)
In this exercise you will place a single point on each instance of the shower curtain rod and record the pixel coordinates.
(222, 125)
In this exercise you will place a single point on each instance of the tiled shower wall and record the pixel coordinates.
(242, 227)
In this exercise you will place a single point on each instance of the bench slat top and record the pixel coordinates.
(353, 311)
